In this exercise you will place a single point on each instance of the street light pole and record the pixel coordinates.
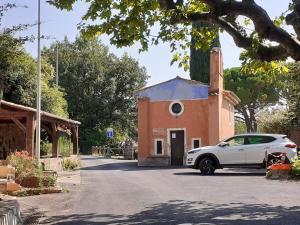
(57, 64)
(38, 105)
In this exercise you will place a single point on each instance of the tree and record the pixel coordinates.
(11, 49)
(293, 93)
(100, 88)
(128, 22)
(20, 84)
(19, 71)
(256, 91)
(274, 121)
(200, 58)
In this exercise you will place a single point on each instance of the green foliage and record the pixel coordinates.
(200, 55)
(256, 91)
(11, 51)
(23, 163)
(296, 168)
(46, 147)
(19, 71)
(149, 22)
(292, 92)
(64, 146)
(18, 80)
(28, 168)
(274, 121)
(240, 127)
(71, 164)
(105, 88)
(131, 22)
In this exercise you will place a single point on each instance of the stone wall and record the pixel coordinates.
(11, 139)
(56, 164)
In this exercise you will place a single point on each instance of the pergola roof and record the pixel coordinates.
(44, 115)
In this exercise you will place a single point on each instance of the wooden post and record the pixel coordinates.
(75, 140)
(30, 131)
(54, 141)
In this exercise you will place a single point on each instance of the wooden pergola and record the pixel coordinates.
(17, 129)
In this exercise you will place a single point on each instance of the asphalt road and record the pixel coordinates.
(119, 192)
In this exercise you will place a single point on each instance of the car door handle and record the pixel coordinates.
(241, 149)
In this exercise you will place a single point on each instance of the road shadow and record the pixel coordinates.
(128, 166)
(218, 174)
(190, 212)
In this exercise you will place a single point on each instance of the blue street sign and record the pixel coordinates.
(109, 133)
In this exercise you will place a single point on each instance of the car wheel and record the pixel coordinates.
(207, 166)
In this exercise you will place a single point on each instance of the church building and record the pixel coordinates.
(179, 114)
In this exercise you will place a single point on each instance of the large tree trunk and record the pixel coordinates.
(250, 120)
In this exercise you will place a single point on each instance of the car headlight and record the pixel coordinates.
(193, 151)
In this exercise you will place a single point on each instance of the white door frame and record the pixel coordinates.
(169, 141)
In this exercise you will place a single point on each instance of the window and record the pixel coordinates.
(176, 108)
(196, 142)
(235, 141)
(158, 146)
(252, 140)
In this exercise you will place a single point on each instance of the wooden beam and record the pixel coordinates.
(54, 140)
(75, 140)
(8, 115)
(30, 131)
(19, 124)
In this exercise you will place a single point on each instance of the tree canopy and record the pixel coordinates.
(293, 93)
(19, 71)
(19, 76)
(100, 88)
(256, 91)
(151, 21)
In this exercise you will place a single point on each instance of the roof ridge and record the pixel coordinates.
(31, 109)
(175, 78)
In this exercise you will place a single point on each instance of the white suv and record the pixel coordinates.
(247, 150)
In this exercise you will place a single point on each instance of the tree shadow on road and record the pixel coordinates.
(191, 212)
(221, 174)
(128, 166)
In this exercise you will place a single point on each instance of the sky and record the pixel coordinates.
(59, 24)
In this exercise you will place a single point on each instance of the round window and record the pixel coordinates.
(176, 108)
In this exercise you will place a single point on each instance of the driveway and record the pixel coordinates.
(119, 192)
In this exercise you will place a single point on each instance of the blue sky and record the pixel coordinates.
(58, 24)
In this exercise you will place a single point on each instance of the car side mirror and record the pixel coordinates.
(223, 144)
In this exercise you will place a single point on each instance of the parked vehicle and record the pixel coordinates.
(247, 151)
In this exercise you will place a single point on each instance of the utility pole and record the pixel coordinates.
(38, 105)
(56, 64)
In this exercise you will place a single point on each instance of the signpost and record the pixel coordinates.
(110, 133)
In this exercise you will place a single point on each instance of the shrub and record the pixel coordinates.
(71, 164)
(296, 168)
(28, 171)
(23, 163)
(64, 146)
(274, 121)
